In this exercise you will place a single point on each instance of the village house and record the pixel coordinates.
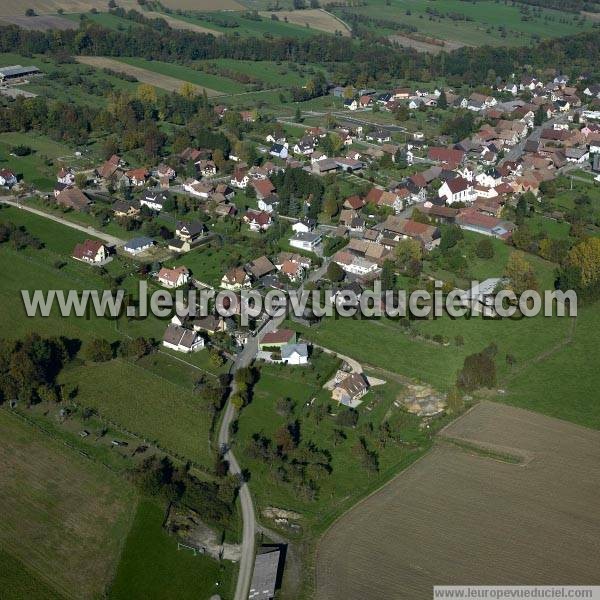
(396, 229)
(164, 171)
(294, 354)
(154, 200)
(305, 146)
(306, 240)
(91, 251)
(304, 225)
(138, 245)
(74, 198)
(258, 220)
(200, 189)
(324, 166)
(123, 208)
(473, 220)
(190, 231)
(277, 339)
(110, 167)
(137, 177)
(279, 150)
(207, 168)
(173, 278)
(351, 104)
(181, 339)
(260, 267)
(7, 178)
(66, 176)
(293, 270)
(350, 389)
(263, 188)
(236, 279)
(355, 265)
(456, 190)
(240, 179)
(211, 324)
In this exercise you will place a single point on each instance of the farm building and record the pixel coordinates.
(17, 72)
(264, 578)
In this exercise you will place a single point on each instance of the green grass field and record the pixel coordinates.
(146, 404)
(271, 73)
(152, 398)
(565, 383)
(104, 19)
(152, 568)
(485, 17)
(17, 582)
(209, 264)
(248, 27)
(214, 82)
(63, 517)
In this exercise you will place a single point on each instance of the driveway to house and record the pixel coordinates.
(111, 239)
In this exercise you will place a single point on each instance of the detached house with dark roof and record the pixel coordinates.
(72, 197)
(181, 339)
(456, 190)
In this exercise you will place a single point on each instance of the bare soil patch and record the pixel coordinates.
(316, 18)
(171, 84)
(62, 516)
(468, 517)
(40, 23)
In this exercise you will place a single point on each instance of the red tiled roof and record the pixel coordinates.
(447, 155)
(87, 249)
(279, 336)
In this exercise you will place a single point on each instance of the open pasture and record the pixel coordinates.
(63, 517)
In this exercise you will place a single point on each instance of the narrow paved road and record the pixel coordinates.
(111, 239)
(244, 359)
(242, 589)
